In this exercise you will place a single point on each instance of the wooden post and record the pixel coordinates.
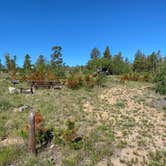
(31, 136)
(31, 90)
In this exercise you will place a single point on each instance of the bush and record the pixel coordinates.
(100, 79)
(74, 82)
(68, 136)
(145, 77)
(42, 135)
(89, 81)
(160, 81)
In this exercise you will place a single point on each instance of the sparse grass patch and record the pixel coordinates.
(157, 158)
(129, 123)
(5, 105)
(120, 104)
(10, 154)
(141, 142)
(122, 144)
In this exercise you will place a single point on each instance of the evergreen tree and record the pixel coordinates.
(160, 80)
(1, 66)
(94, 64)
(140, 62)
(56, 62)
(159, 61)
(107, 53)
(117, 64)
(95, 54)
(27, 66)
(13, 64)
(10, 63)
(56, 57)
(40, 64)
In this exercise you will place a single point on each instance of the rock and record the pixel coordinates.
(24, 108)
(12, 141)
(52, 146)
(12, 90)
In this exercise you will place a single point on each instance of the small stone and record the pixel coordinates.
(52, 146)
(12, 90)
(24, 108)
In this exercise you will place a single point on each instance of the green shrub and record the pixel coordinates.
(160, 81)
(58, 137)
(147, 77)
(68, 136)
(43, 137)
(100, 79)
(77, 145)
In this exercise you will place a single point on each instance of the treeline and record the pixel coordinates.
(114, 64)
(118, 65)
(39, 70)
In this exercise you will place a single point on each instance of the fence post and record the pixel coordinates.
(31, 134)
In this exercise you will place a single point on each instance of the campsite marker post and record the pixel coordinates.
(31, 133)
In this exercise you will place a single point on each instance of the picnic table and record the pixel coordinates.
(46, 84)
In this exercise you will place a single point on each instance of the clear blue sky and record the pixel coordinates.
(34, 26)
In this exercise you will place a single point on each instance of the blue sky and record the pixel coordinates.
(34, 26)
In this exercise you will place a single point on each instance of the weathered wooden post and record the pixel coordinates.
(31, 134)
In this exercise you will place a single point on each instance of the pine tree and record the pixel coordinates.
(10, 63)
(95, 54)
(107, 53)
(140, 62)
(117, 64)
(1, 66)
(56, 57)
(27, 66)
(40, 64)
